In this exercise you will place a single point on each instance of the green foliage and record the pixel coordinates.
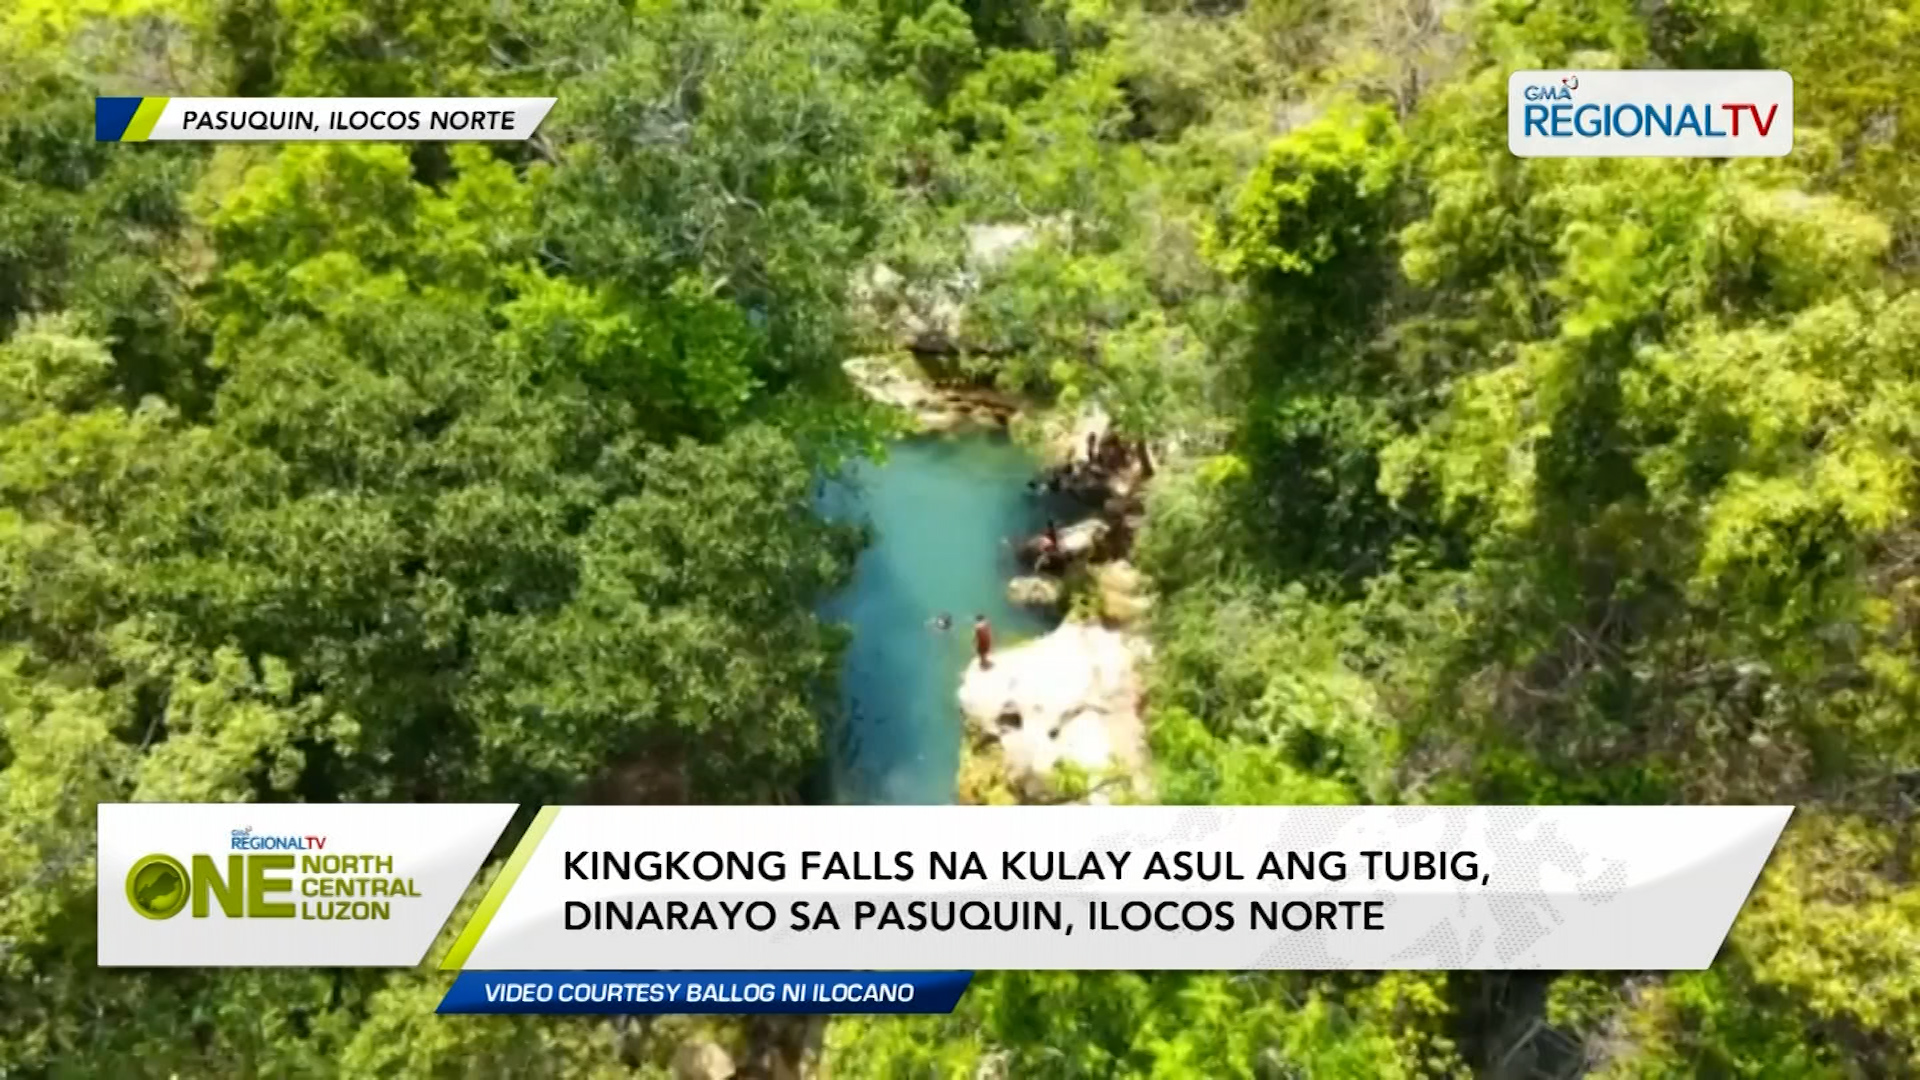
(936, 47)
(1123, 1024)
(94, 232)
(1814, 980)
(1594, 478)
(361, 472)
(1551, 480)
(1314, 206)
(383, 472)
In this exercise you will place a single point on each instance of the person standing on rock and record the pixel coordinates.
(982, 640)
(1049, 547)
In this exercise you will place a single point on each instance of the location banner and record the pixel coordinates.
(176, 119)
(284, 885)
(936, 888)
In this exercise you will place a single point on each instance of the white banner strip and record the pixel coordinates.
(1076, 888)
(350, 119)
(284, 885)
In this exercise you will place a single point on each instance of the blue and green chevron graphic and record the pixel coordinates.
(126, 119)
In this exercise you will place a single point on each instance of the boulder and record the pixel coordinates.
(889, 383)
(929, 315)
(1093, 422)
(1072, 696)
(1123, 597)
(934, 408)
(1034, 591)
(702, 1059)
(939, 421)
(1077, 542)
(990, 246)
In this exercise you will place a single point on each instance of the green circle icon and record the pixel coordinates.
(157, 887)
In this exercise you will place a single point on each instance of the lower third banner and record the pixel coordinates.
(636, 992)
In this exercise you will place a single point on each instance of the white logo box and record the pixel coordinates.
(1650, 113)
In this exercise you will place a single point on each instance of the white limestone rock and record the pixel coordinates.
(1072, 696)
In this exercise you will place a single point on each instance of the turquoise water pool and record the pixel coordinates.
(943, 510)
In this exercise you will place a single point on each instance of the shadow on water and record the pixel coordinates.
(945, 513)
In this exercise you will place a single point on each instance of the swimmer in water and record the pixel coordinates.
(942, 621)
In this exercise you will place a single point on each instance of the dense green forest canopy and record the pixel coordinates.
(425, 472)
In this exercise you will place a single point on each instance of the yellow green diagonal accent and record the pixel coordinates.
(147, 115)
(456, 957)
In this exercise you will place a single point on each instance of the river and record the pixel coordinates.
(943, 510)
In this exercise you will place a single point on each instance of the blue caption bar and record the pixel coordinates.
(661, 992)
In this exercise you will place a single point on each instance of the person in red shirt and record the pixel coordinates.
(982, 640)
(1048, 547)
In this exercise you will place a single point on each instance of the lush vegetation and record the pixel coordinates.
(368, 471)
(334, 472)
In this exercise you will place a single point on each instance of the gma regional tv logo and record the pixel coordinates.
(1650, 113)
(246, 840)
(312, 885)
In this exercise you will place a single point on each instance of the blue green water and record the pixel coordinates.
(942, 510)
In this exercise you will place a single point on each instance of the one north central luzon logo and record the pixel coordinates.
(316, 884)
(1555, 110)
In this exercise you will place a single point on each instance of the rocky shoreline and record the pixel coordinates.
(1061, 714)
(933, 409)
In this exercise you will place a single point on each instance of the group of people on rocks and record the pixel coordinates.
(1103, 455)
(1109, 454)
